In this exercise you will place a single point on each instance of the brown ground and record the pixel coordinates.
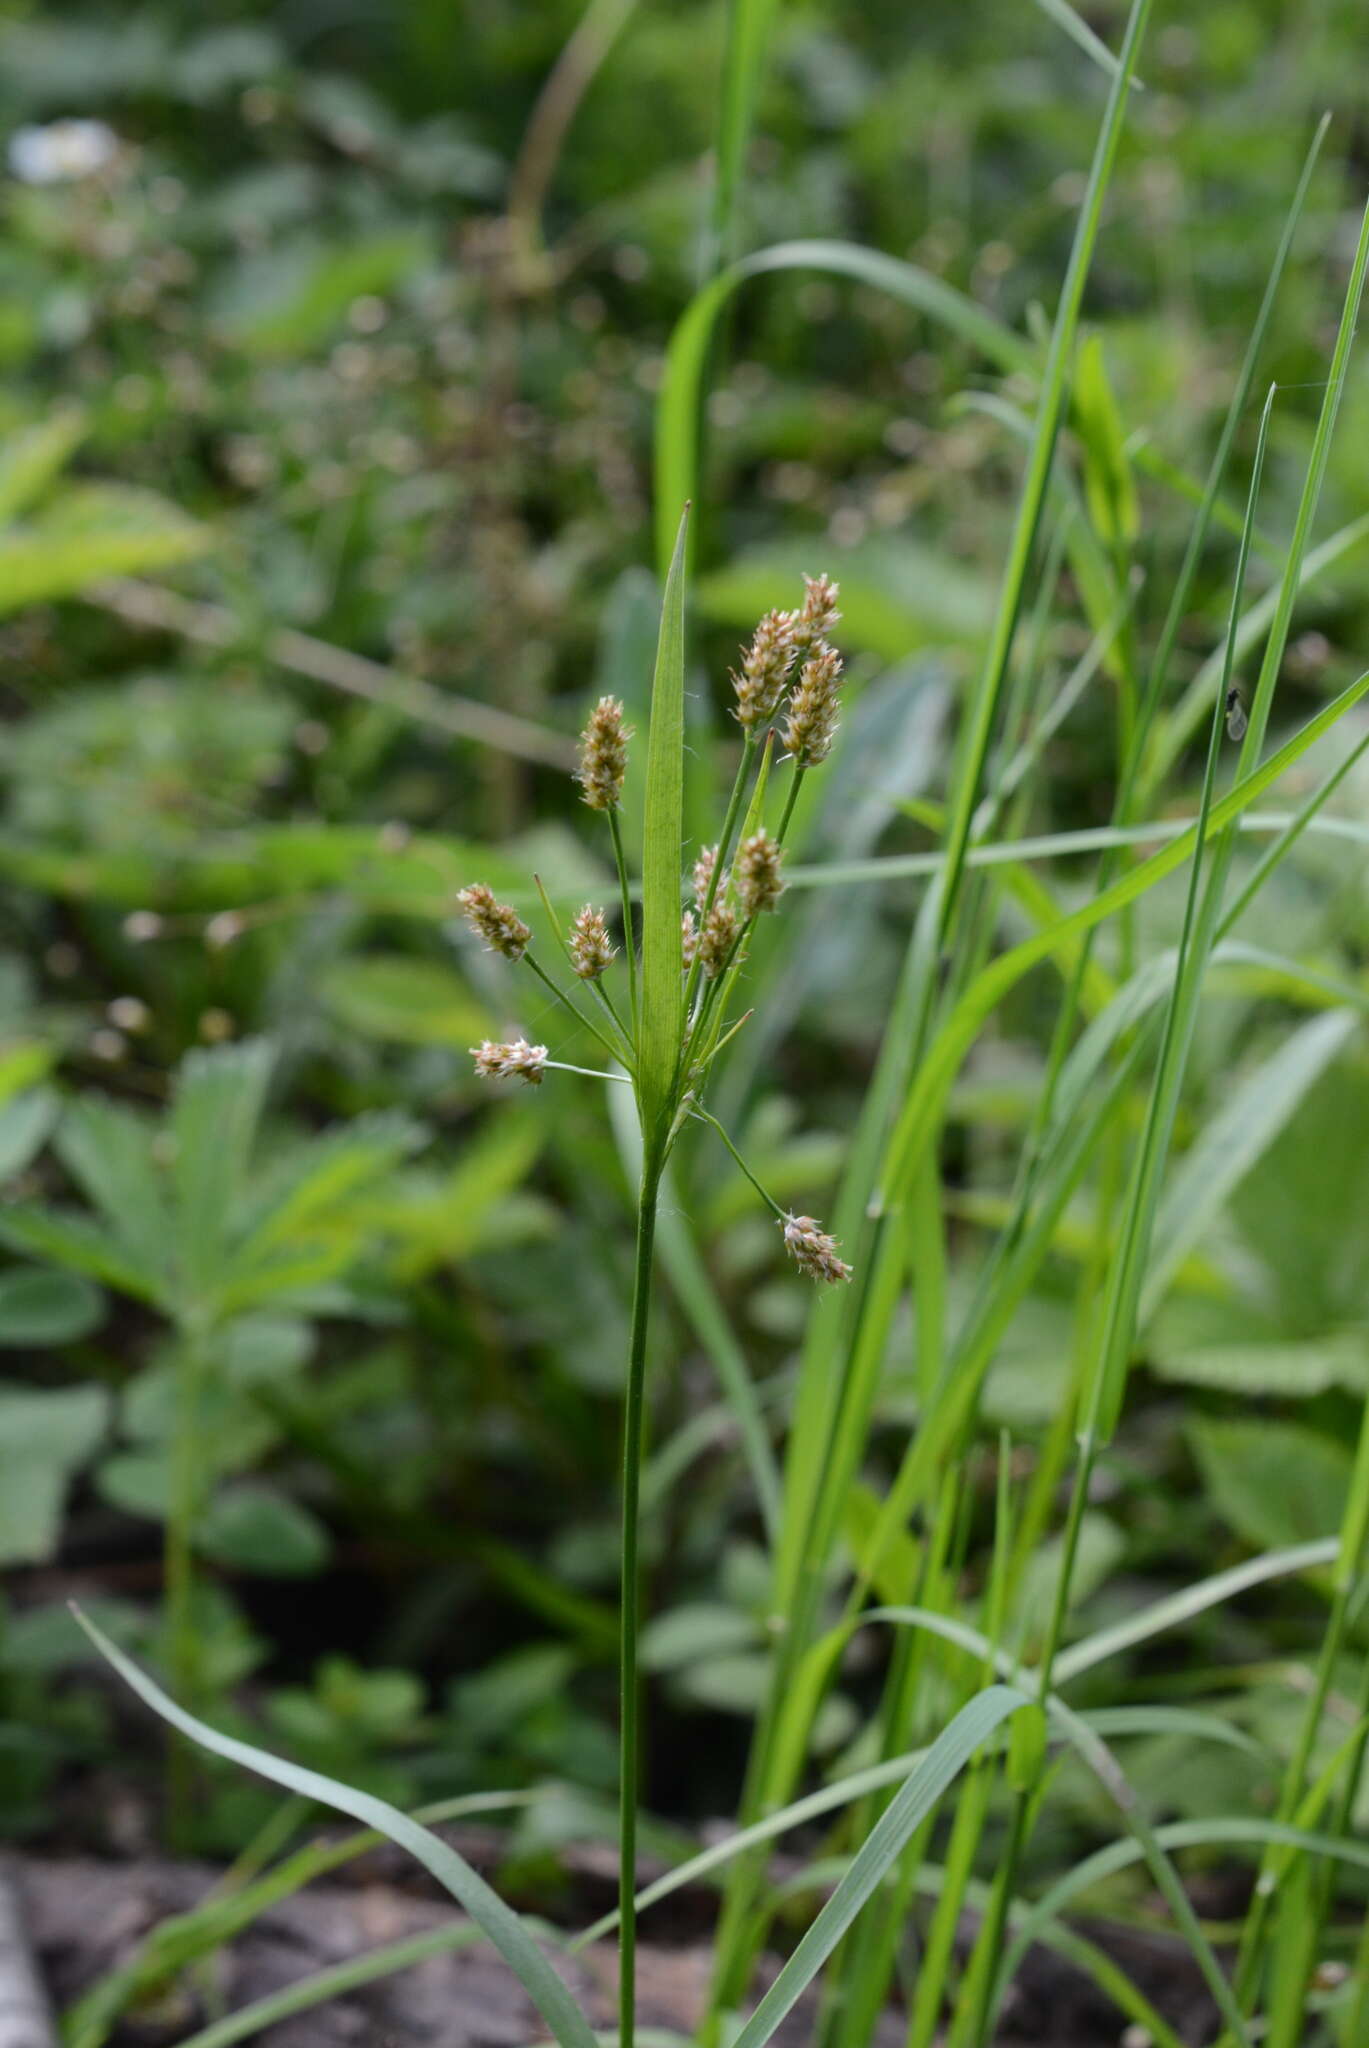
(84, 1916)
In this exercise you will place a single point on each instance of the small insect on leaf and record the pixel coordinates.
(1236, 719)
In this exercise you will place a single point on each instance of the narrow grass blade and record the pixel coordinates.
(917, 1122)
(748, 35)
(1078, 31)
(486, 1908)
(943, 1762)
(1055, 385)
(663, 862)
(1178, 1608)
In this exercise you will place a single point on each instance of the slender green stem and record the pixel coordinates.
(705, 1116)
(791, 798)
(615, 1052)
(633, 1419)
(625, 893)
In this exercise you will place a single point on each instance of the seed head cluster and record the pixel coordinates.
(603, 755)
(499, 926)
(717, 938)
(765, 671)
(818, 616)
(789, 653)
(759, 882)
(814, 708)
(589, 947)
(813, 1250)
(495, 1062)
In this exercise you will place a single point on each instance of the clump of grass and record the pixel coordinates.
(660, 998)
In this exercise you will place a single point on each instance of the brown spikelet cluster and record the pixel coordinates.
(499, 926)
(496, 1062)
(589, 946)
(818, 616)
(689, 938)
(717, 938)
(603, 755)
(703, 875)
(813, 1250)
(814, 709)
(765, 670)
(757, 869)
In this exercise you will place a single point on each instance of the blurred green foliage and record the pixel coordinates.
(282, 348)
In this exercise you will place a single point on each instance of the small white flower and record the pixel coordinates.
(61, 151)
(814, 1250)
(499, 1062)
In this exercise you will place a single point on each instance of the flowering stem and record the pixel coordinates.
(591, 1073)
(614, 1052)
(624, 888)
(606, 999)
(706, 1116)
(653, 1162)
(796, 784)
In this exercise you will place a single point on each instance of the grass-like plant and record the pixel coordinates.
(980, 1687)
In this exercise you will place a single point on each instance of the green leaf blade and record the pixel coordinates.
(662, 864)
(502, 1926)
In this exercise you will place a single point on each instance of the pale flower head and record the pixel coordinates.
(757, 871)
(590, 948)
(603, 755)
(764, 671)
(498, 924)
(813, 1250)
(496, 1062)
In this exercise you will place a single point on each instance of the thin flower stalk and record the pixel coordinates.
(728, 896)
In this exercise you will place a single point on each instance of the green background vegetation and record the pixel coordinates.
(290, 357)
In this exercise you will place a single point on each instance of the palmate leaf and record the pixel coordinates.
(216, 1110)
(91, 532)
(503, 1927)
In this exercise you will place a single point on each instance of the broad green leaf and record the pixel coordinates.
(68, 1238)
(41, 1308)
(1275, 1483)
(1245, 1125)
(107, 1150)
(32, 456)
(25, 1120)
(663, 861)
(44, 1436)
(910, 1806)
(21, 1065)
(89, 533)
(305, 1185)
(400, 997)
(256, 1528)
(219, 1098)
(696, 1629)
(504, 1928)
